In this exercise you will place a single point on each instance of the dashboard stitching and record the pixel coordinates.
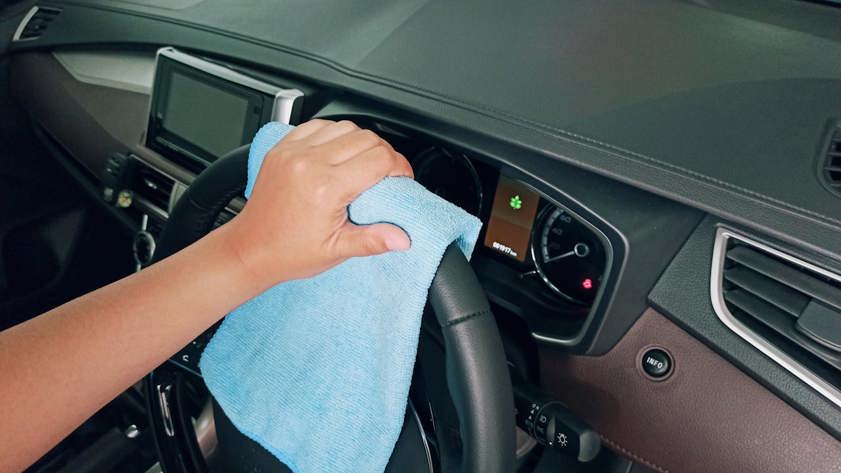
(634, 456)
(620, 152)
(490, 111)
(467, 317)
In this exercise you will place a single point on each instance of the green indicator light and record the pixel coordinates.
(516, 202)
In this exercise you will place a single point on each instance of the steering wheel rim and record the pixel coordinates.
(476, 369)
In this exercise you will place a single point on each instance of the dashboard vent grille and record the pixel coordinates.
(152, 186)
(35, 23)
(786, 307)
(832, 164)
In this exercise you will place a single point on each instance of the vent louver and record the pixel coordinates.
(786, 307)
(35, 23)
(832, 163)
(152, 186)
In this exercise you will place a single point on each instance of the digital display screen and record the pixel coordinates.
(206, 116)
(512, 218)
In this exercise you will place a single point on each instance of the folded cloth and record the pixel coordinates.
(317, 371)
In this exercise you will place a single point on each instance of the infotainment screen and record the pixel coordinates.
(512, 217)
(201, 110)
(210, 117)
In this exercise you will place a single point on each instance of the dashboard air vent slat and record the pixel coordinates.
(788, 308)
(780, 323)
(796, 279)
(832, 164)
(755, 307)
(35, 23)
(153, 186)
(781, 296)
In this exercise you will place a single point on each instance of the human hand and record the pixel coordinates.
(295, 223)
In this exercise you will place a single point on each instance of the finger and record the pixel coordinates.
(307, 129)
(350, 145)
(331, 132)
(382, 160)
(368, 240)
(369, 168)
(402, 167)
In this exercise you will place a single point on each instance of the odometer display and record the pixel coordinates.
(569, 257)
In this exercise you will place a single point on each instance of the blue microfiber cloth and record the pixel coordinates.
(317, 371)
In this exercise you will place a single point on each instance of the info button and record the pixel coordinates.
(657, 363)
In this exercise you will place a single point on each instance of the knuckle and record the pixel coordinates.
(373, 245)
(319, 121)
(278, 153)
(386, 158)
(346, 125)
(323, 188)
(298, 166)
(368, 137)
(382, 154)
(314, 123)
(320, 192)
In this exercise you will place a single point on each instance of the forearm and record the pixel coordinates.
(61, 367)
(58, 369)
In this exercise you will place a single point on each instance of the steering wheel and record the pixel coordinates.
(477, 375)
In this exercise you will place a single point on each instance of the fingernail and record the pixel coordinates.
(398, 243)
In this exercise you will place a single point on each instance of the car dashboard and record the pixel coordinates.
(670, 212)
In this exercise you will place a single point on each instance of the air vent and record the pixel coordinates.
(35, 23)
(786, 307)
(152, 186)
(832, 163)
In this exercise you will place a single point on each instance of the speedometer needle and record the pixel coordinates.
(581, 250)
(556, 258)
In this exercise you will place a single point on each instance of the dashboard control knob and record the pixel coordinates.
(115, 176)
(124, 199)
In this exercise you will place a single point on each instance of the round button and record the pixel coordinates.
(656, 363)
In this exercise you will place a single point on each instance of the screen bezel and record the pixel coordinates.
(167, 142)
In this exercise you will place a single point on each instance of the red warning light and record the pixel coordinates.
(587, 283)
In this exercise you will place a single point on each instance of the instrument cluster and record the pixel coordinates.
(522, 228)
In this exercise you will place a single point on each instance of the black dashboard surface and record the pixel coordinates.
(682, 98)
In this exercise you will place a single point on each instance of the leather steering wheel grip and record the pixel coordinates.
(477, 370)
(197, 209)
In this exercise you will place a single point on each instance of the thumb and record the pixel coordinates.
(368, 240)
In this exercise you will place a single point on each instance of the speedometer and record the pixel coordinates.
(569, 257)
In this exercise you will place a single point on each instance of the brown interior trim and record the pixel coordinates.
(631, 455)
(707, 415)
